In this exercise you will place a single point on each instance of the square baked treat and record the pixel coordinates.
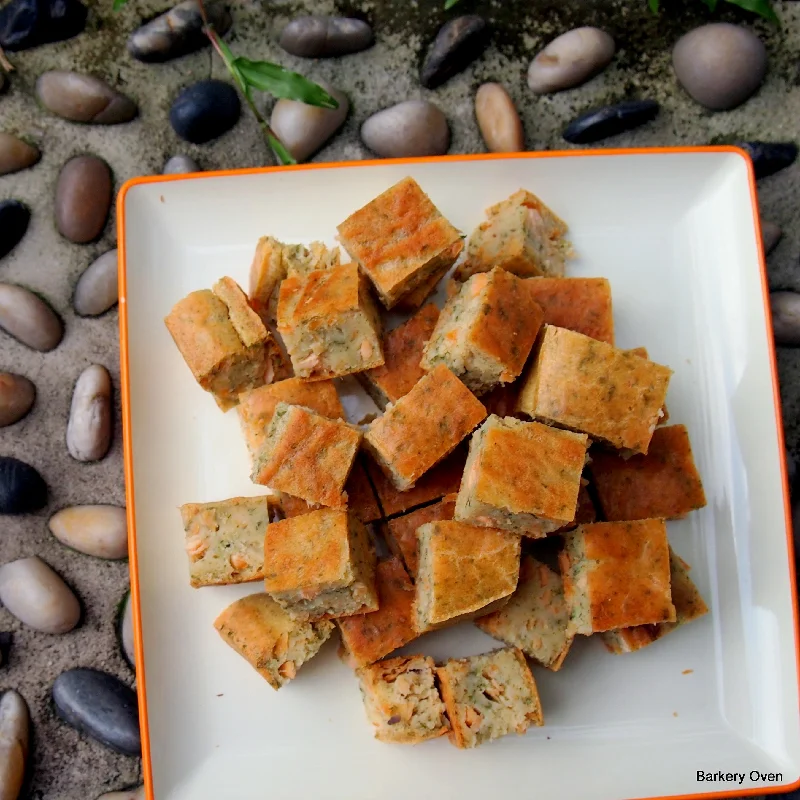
(401, 532)
(523, 477)
(689, 606)
(536, 617)
(402, 352)
(663, 484)
(307, 455)
(402, 701)
(274, 643)
(521, 235)
(588, 386)
(400, 240)
(422, 427)
(329, 323)
(370, 637)
(578, 304)
(489, 696)
(225, 540)
(415, 298)
(642, 353)
(361, 499)
(321, 565)
(223, 341)
(257, 406)
(617, 575)
(463, 572)
(486, 331)
(441, 480)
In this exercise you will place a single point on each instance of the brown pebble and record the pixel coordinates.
(28, 318)
(16, 154)
(83, 198)
(83, 98)
(17, 394)
(498, 119)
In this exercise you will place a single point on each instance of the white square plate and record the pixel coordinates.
(676, 233)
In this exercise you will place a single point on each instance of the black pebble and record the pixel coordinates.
(610, 120)
(204, 111)
(22, 488)
(28, 23)
(459, 42)
(101, 706)
(14, 219)
(6, 638)
(770, 157)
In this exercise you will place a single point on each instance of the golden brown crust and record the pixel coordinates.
(247, 324)
(664, 483)
(423, 426)
(412, 300)
(322, 295)
(585, 513)
(267, 270)
(578, 304)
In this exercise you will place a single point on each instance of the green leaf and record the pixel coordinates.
(450, 3)
(284, 156)
(230, 62)
(118, 4)
(761, 7)
(655, 5)
(712, 4)
(280, 82)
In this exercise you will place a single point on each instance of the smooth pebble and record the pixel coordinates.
(720, 65)
(14, 219)
(83, 198)
(770, 235)
(16, 154)
(30, 23)
(83, 98)
(204, 111)
(28, 318)
(786, 318)
(601, 123)
(89, 426)
(101, 706)
(126, 630)
(498, 119)
(177, 32)
(458, 43)
(97, 289)
(570, 60)
(22, 488)
(15, 722)
(99, 530)
(325, 37)
(37, 596)
(304, 129)
(17, 394)
(411, 128)
(769, 157)
(180, 165)
(125, 794)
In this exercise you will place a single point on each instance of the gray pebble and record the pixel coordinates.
(304, 128)
(83, 98)
(37, 596)
(15, 723)
(97, 289)
(180, 165)
(786, 318)
(498, 119)
(125, 794)
(83, 198)
(126, 631)
(89, 426)
(770, 235)
(177, 32)
(324, 37)
(28, 318)
(458, 43)
(100, 531)
(720, 65)
(17, 394)
(411, 128)
(570, 60)
(16, 154)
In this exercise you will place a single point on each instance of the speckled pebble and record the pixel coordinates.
(720, 65)
(89, 426)
(177, 32)
(411, 128)
(769, 157)
(37, 596)
(786, 318)
(325, 37)
(97, 289)
(83, 198)
(22, 488)
(498, 119)
(30, 23)
(304, 129)
(101, 706)
(610, 121)
(15, 724)
(770, 235)
(125, 794)
(180, 165)
(126, 639)
(570, 60)
(83, 98)
(16, 154)
(28, 318)
(17, 394)
(459, 42)
(14, 219)
(204, 111)
(99, 530)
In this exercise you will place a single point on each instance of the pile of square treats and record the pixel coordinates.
(518, 478)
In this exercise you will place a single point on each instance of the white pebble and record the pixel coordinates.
(89, 427)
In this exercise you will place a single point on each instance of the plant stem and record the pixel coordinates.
(5, 64)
